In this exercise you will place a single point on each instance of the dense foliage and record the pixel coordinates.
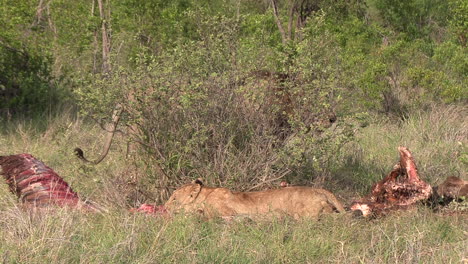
(378, 50)
(244, 94)
(234, 91)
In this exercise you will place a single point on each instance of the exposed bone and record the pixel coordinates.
(400, 189)
(37, 185)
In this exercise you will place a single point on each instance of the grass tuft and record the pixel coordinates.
(438, 139)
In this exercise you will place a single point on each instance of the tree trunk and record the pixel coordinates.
(284, 37)
(51, 23)
(95, 41)
(38, 18)
(292, 10)
(106, 44)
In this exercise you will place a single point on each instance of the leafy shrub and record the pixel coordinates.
(414, 17)
(26, 82)
(198, 111)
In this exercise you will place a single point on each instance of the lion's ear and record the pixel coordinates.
(195, 191)
(198, 181)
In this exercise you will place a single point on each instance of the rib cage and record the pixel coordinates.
(400, 189)
(36, 184)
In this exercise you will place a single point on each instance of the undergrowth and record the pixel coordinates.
(436, 137)
(64, 236)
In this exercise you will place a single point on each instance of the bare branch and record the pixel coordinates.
(278, 21)
(38, 18)
(112, 127)
(269, 180)
(105, 39)
(292, 10)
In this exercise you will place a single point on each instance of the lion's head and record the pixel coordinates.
(184, 195)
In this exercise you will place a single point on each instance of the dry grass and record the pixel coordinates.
(438, 139)
(63, 236)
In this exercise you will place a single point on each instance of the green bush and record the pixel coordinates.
(27, 85)
(199, 111)
(414, 17)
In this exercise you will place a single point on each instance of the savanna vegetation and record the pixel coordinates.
(244, 94)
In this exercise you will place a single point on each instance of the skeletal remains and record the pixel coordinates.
(400, 189)
(37, 185)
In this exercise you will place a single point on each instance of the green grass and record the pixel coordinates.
(64, 236)
(437, 138)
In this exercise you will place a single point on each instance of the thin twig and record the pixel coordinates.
(270, 180)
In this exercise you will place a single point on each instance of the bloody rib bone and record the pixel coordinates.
(37, 185)
(400, 189)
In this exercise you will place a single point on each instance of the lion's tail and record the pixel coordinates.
(334, 201)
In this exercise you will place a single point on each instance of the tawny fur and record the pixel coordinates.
(453, 187)
(296, 201)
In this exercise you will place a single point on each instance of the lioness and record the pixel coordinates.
(294, 201)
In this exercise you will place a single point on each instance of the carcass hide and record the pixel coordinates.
(401, 189)
(453, 188)
(151, 209)
(37, 185)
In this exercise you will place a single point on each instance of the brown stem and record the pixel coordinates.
(291, 19)
(105, 39)
(38, 18)
(110, 135)
(278, 22)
